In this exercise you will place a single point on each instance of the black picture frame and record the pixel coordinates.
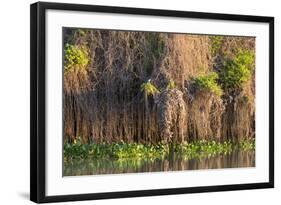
(38, 101)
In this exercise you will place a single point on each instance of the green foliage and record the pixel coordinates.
(238, 70)
(121, 150)
(149, 88)
(204, 148)
(247, 144)
(216, 42)
(75, 56)
(81, 32)
(209, 83)
(171, 85)
(115, 150)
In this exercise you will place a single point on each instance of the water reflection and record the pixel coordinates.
(171, 163)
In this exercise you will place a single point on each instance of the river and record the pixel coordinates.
(235, 159)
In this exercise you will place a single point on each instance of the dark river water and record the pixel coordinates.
(171, 163)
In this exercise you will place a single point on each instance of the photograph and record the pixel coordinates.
(140, 102)
(135, 102)
(144, 101)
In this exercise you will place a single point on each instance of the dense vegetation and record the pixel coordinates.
(135, 94)
(121, 150)
(208, 83)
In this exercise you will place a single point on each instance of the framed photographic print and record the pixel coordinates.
(129, 102)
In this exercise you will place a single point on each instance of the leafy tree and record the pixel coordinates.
(208, 83)
(238, 70)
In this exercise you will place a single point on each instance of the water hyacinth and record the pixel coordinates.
(198, 149)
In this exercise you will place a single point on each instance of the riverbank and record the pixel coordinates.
(198, 149)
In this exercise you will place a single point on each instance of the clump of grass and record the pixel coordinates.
(198, 149)
(208, 83)
(171, 85)
(149, 88)
(75, 56)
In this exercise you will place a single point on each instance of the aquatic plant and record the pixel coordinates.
(121, 150)
(247, 144)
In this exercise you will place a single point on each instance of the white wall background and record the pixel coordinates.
(14, 100)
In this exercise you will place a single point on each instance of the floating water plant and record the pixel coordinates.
(198, 149)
